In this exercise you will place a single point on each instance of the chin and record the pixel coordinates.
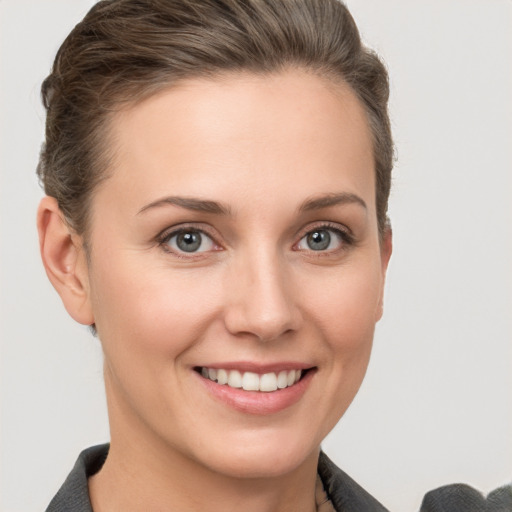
(265, 456)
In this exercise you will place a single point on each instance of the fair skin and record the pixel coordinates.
(278, 266)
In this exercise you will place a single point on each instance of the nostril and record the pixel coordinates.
(262, 306)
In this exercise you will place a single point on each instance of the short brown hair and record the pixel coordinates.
(125, 50)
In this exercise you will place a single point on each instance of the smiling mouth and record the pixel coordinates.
(251, 381)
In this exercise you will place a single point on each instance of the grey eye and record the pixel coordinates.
(321, 240)
(190, 241)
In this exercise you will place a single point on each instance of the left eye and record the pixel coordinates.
(322, 239)
(190, 241)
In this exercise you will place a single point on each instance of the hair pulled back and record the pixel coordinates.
(126, 50)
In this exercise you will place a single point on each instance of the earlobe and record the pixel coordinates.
(64, 260)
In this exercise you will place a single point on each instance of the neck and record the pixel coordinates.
(134, 480)
(142, 472)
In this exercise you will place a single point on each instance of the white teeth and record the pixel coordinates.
(235, 379)
(268, 382)
(222, 376)
(282, 379)
(251, 381)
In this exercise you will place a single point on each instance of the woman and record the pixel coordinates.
(248, 277)
(217, 177)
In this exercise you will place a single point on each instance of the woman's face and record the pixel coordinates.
(237, 239)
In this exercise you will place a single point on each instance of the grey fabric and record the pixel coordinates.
(462, 498)
(73, 496)
(500, 500)
(345, 494)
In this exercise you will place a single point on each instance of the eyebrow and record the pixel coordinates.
(324, 201)
(214, 207)
(190, 203)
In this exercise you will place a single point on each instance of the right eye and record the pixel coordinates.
(189, 241)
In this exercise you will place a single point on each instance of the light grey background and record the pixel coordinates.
(436, 406)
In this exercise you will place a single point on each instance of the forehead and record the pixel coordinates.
(243, 134)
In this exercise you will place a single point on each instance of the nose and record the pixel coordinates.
(260, 299)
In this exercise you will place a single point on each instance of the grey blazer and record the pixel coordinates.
(73, 496)
(345, 494)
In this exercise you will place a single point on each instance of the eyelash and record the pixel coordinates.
(166, 236)
(345, 235)
(347, 239)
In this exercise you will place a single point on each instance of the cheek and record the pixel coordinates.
(346, 306)
(148, 319)
(150, 311)
(345, 310)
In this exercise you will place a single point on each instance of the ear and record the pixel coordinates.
(64, 260)
(386, 248)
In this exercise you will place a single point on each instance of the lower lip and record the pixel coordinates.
(258, 402)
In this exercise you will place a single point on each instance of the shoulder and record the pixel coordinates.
(463, 498)
(345, 494)
(73, 496)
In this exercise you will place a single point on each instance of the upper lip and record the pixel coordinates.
(260, 368)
